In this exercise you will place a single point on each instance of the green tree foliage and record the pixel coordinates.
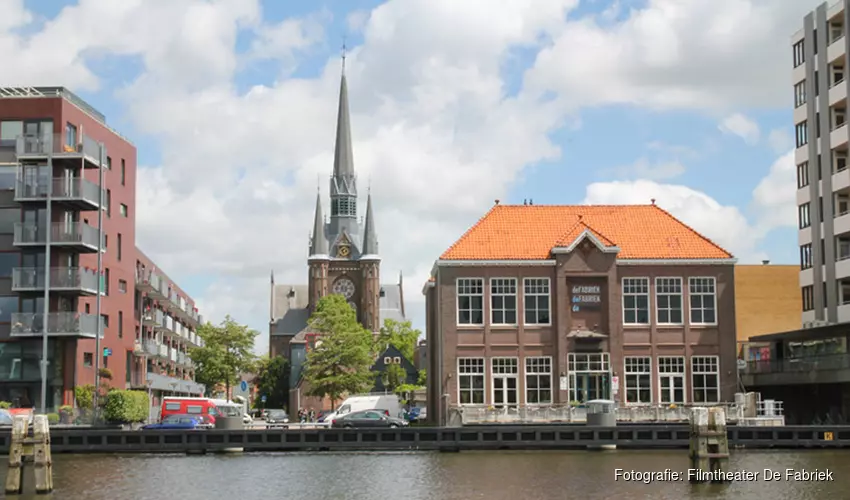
(393, 377)
(126, 406)
(227, 351)
(400, 335)
(423, 377)
(84, 394)
(273, 381)
(342, 359)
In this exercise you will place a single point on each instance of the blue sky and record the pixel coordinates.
(565, 102)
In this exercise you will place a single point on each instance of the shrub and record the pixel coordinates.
(5, 405)
(126, 407)
(105, 373)
(52, 418)
(66, 409)
(84, 395)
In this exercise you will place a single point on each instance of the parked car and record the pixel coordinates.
(177, 422)
(5, 418)
(381, 402)
(368, 418)
(277, 417)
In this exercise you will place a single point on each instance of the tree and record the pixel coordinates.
(227, 351)
(400, 335)
(273, 381)
(393, 377)
(342, 358)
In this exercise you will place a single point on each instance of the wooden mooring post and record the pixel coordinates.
(709, 445)
(35, 449)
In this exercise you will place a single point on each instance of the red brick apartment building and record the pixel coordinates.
(548, 305)
(53, 146)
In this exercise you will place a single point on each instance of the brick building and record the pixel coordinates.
(547, 305)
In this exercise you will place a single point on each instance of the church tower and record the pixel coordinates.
(343, 251)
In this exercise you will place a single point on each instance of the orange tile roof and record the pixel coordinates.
(529, 232)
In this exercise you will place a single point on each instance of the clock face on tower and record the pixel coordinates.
(344, 287)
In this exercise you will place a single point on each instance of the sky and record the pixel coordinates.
(454, 104)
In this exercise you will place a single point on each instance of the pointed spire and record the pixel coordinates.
(370, 239)
(272, 277)
(343, 156)
(318, 242)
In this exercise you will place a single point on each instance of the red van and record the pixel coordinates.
(203, 408)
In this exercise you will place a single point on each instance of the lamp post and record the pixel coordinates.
(148, 384)
(48, 232)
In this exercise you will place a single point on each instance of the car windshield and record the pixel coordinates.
(230, 411)
(276, 414)
(5, 418)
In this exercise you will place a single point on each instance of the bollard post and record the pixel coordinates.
(42, 460)
(23, 448)
(709, 445)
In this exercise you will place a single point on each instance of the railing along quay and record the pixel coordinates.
(66, 440)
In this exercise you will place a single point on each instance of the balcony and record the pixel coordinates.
(72, 280)
(75, 235)
(149, 282)
(73, 192)
(161, 382)
(59, 324)
(89, 152)
(826, 369)
(172, 355)
(151, 347)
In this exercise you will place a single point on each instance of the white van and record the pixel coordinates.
(388, 402)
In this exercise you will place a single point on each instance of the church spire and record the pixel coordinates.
(343, 182)
(318, 242)
(370, 239)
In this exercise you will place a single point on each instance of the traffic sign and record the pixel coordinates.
(107, 351)
(263, 398)
(243, 386)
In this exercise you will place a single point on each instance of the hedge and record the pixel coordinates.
(126, 406)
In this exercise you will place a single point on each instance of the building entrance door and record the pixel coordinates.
(505, 382)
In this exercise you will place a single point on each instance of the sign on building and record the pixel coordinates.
(586, 297)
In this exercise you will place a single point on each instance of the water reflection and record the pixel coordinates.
(425, 476)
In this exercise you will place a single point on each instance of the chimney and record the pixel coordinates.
(765, 262)
(530, 201)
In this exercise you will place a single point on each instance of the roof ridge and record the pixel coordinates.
(587, 227)
(468, 231)
(694, 231)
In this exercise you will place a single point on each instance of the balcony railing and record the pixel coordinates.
(172, 355)
(58, 145)
(59, 324)
(151, 347)
(165, 383)
(808, 364)
(61, 189)
(60, 234)
(61, 278)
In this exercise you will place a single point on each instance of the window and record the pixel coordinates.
(842, 248)
(106, 281)
(808, 298)
(120, 251)
(803, 174)
(803, 216)
(8, 305)
(538, 380)
(638, 379)
(671, 379)
(799, 53)
(589, 376)
(840, 160)
(123, 209)
(536, 302)
(505, 375)
(703, 301)
(8, 261)
(104, 318)
(122, 286)
(9, 133)
(123, 172)
(109, 163)
(838, 118)
(802, 134)
(800, 94)
(470, 384)
(109, 203)
(470, 301)
(837, 75)
(88, 359)
(668, 298)
(8, 176)
(806, 256)
(70, 136)
(503, 301)
(8, 218)
(194, 409)
(120, 324)
(635, 301)
(705, 379)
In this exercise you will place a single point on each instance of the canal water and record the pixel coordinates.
(429, 476)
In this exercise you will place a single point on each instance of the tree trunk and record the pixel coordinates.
(227, 389)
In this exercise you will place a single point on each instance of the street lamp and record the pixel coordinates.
(148, 384)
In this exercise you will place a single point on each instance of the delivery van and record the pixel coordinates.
(389, 403)
(204, 408)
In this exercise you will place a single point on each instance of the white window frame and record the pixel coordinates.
(701, 281)
(465, 367)
(598, 363)
(536, 283)
(633, 281)
(663, 363)
(801, 134)
(496, 362)
(498, 287)
(532, 368)
(663, 287)
(462, 286)
(698, 364)
(636, 367)
(799, 93)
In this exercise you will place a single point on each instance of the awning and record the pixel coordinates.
(586, 334)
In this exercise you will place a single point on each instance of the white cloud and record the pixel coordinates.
(780, 140)
(233, 197)
(775, 199)
(644, 169)
(741, 126)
